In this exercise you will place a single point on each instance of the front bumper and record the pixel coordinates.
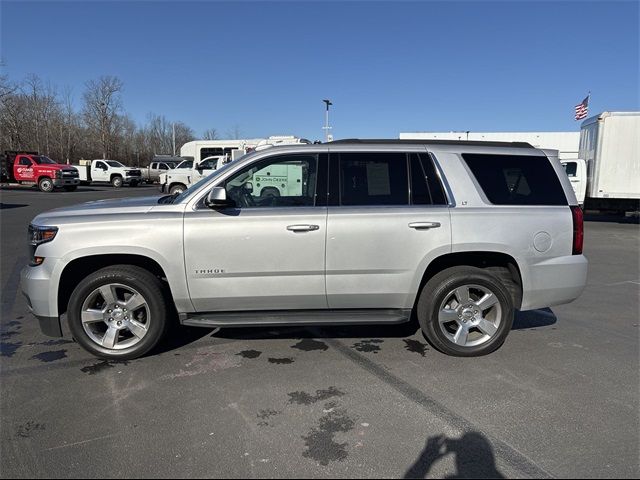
(35, 283)
(65, 182)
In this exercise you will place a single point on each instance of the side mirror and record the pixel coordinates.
(217, 198)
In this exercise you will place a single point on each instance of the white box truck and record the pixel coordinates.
(606, 176)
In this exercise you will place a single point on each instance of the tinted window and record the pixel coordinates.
(426, 188)
(282, 181)
(43, 160)
(373, 179)
(516, 179)
(210, 164)
(101, 165)
(24, 161)
(571, 168)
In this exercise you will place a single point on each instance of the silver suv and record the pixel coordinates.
(459, 234)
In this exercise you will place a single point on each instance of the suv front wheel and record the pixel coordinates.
(118, 312)
(465, 311)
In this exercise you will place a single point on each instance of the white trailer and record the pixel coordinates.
(608, 168)
(198, 150)
(567, 143)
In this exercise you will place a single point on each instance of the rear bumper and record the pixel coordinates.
(35, 282)
(554, 281)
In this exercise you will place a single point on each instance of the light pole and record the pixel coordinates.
(326, 128)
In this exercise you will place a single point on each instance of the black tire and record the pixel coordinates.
(133, 183)
(269, 192)
(45, 184)
(176, 189)
(139, 279)
(70, 188)
(116, 181)
(438, 290)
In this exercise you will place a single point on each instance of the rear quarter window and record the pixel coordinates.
(516, 179)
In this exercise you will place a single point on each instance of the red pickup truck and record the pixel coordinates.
(32, 168)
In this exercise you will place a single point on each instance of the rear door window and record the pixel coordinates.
(373, 179)
(516, 179)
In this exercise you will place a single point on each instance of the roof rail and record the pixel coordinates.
(469, 143)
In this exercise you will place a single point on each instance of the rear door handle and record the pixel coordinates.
(303, 228)
(424, 225)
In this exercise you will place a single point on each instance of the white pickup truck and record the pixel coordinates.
(186, 174)
(109, 171)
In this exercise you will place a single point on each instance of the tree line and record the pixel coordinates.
(38, 116)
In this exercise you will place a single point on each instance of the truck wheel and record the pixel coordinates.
(116, 181)
(71, 188)
(177, 189)
(465, 311)
(45, 184)
(134, 183)
(118, 312)
(269, 192)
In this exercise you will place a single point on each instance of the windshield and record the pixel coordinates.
(185, 164)
(43, 160)
(113, 163)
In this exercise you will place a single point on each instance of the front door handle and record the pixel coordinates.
(303, 228)
(424, 225)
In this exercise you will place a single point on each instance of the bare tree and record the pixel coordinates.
(6, 87)
(234, 132)
(102, 105)
(35, 115)
(210, 134)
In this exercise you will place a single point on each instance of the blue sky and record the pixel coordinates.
(388, 67)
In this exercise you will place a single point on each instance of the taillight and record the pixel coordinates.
(578, 229)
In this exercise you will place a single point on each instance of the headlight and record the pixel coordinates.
(38, 235)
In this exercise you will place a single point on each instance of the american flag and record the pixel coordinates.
(582, 108)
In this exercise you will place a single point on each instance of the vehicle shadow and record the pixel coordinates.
(474, 457)
(543, 317)
(12, 205)
(181, 336)
(612, 218)
(34, 189)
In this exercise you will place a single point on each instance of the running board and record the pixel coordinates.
(295, 317)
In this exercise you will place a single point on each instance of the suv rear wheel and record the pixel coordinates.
(465, 311)
(118, 312)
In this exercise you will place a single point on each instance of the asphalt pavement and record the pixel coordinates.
(559, 399)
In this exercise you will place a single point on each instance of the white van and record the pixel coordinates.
(198, 150)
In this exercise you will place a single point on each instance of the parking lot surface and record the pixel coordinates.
(559, 399)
